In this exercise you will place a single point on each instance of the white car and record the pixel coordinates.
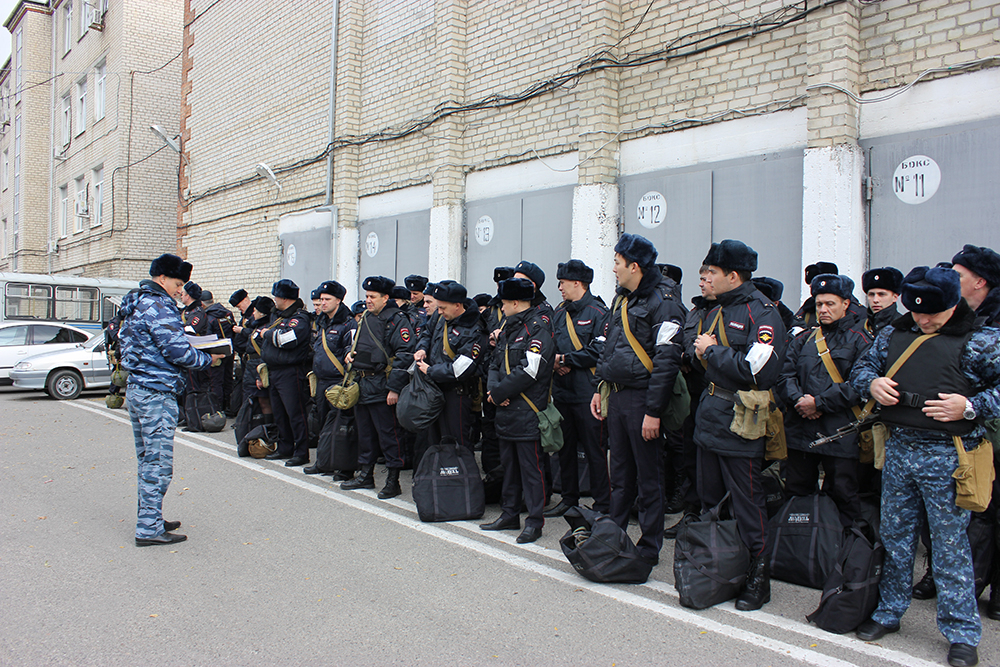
(20, 340)
(63, 374)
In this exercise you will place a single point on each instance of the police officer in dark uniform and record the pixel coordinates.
(383, 353)
(220, 323)
(286, 348)
(416, 285)
(196, 323)
(489, 457)
(881, 287)
(640, 362)
(534, 273)
(805, 316)
(521, 371)
(256, 317)
(452, 361)
(335, 328)
(818, 404)
(773, 289)
(580, 322)
(743, 350)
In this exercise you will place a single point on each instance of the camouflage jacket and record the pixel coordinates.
(153, 347)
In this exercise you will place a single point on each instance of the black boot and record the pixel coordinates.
(925, 588)
(675, 503)
(758, 589)
(671, 532)
(391, 488)
(993, 610)
(364, 480)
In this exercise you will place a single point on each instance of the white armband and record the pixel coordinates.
(758, 355)
(534, 361)
(283, 338)
(666, 333)
(460, 365)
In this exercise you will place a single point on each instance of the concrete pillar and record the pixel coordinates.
(346, 161)
(596, 213)
(446, 231)
(833, 221)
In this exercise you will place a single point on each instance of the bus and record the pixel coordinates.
(87, 303)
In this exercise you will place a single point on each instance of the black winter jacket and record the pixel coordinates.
(288, 340)
(656, 320)
(338, 333)
(804, 373)
(194, 317)
(749, 319)
(220, 320)
(875, 322)
(383, 338)
(527, 341)
(467, 339)
(590, 319)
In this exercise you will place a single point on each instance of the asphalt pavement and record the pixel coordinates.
(285, 568)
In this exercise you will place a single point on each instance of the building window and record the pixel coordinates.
(18, 64)
(16, 208)
(68, 27)
(63, 211)
(65, 119)
(4, 169)
(84, 18)
(100, 74)
(80, 205)
(98, 182)
(3, 240)
(81, 105)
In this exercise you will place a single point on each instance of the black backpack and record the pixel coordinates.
(601, 551)
(850, 594)
(447, 485)
(806, 536)
(710, 559)
(200, 412)
(338, 442)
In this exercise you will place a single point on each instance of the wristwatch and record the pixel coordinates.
(970, 412)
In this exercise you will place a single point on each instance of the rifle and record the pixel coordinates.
(845, 430)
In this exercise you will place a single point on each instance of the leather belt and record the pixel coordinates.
(724, 394)
(368, 374)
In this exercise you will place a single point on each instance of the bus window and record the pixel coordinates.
(109, 307)
(28, 301)
(77, 304)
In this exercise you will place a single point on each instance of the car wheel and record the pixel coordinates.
(64, 385)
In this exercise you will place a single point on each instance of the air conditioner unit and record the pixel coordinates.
(53, 246)
(97, 20)
(81, 205)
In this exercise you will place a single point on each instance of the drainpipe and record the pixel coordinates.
(333, 102)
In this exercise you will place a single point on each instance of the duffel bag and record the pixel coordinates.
(850, 594)
(420, 402)
(806, 535)
(261, 441)
(710, 559)
(447, 485)
(345, 442)
(601, 551)
(196, 404)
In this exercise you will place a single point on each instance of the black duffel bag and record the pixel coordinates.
(805, 540)
(447, 485)
(247, 419)
(710, 559)
(850, 594)
(420, 402)
(196, 404)
(345, 442)
(601, 551)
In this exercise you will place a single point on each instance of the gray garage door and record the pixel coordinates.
(933, 192)
(756, 200)
(306, 258)
(394, 246)
(503, 231)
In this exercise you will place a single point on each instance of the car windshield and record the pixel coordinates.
(93, 342)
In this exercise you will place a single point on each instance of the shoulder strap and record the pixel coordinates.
(577, 345)
(834, 372)
(639, 352)
(722, 332)
(907, 353)
(446, 344)
(506, 363)
(326, 347)
(269, 327)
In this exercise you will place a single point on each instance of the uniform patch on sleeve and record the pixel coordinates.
(293, 322)
(535, 346)
(545, 318)
(739, 326)
(475, 351)
(765, 334)
(195, 320)
(404, 333)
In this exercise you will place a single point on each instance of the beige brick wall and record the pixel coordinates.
(259, 91)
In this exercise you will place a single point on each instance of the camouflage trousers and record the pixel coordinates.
(918, 468)
(154, 418)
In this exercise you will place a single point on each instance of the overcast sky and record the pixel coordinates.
(6, 7)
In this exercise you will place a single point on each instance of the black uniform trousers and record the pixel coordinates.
(523, 479)
(840, 480)
(581, 431)
(455, 419)
(490, 454)
(289, 391)
(217, 383)
(636, 469)
(741, 476)
(378, 432)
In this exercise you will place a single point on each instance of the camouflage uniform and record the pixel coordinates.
(155, 352)
(918, 466)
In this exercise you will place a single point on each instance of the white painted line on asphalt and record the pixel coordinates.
(812, 657)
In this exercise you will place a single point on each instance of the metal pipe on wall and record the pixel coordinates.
(333, 102)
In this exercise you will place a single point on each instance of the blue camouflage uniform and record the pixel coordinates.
(156, 353)
(919, 466)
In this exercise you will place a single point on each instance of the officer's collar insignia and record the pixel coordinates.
(765, 334)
